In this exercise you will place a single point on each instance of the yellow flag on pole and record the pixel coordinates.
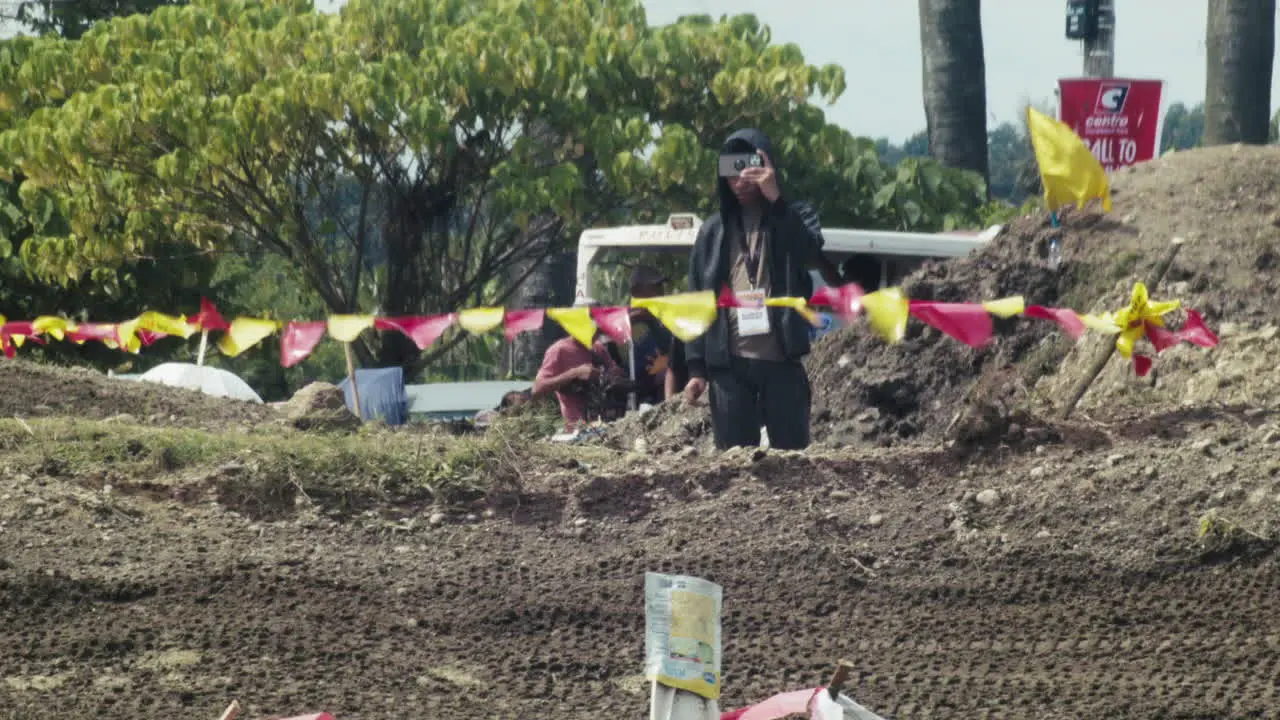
(1068, 170)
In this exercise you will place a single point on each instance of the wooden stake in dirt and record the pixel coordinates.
(1105, 352)
(839, 678)
(232, 711)
(351, 377)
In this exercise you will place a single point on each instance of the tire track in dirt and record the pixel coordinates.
(552, 624)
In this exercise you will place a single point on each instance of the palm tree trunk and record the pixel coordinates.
(1240, 43)
(955, 86)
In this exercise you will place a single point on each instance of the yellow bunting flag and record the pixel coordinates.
(166, 324)
(686, 315)
(1068, 170)
(800, 305)
(346, 328)
(1006, 307)
(887, 312)
(1102, 322)
(1132, 321)
(577, 322)
(51, 325)
(127, 337)
(244, 333)
(481, 320)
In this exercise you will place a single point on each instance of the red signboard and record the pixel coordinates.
(1118, 119)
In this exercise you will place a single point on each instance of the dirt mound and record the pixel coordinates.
(320, 406)
(867, 391)
(672, 425)
(1130, 576)
(1221, 201)
(34, 390)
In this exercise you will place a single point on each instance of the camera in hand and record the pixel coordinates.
(732, 165)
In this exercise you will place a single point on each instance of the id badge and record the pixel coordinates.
(753, 316)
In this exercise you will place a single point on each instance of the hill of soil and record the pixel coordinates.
(1222, 201)
(44, 390)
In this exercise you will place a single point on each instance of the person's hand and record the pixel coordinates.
(694, 389)
(586, 372)
(657, 365)
(764, 177)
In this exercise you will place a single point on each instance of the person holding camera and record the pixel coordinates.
(761, 245)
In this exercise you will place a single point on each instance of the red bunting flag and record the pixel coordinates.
(522, 321)
(845, 301)
(613, 321)
(970, 323)
(209, 319)
(423, 331)
(1193, 331)
(85, 332)
(728, 299)
(1068, 320)
(1141, 364)
(299, 339)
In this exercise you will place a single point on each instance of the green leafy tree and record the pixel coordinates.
(169, 277)
(72, 18)
(1013, 169)
(916, 146)
(1183, 127)
(1010, 159)
(472, 136)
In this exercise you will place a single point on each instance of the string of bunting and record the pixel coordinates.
(687, 315)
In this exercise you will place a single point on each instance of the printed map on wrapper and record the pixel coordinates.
(682, 633)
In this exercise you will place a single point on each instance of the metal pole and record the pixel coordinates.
(1100, 52)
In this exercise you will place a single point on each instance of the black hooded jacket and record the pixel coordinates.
(795, 245)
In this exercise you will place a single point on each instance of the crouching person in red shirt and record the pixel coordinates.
(579, 377)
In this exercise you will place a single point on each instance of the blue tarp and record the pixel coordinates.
(382, 395)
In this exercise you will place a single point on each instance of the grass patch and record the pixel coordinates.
(262, 471)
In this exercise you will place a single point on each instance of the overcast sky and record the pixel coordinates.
(878, 44)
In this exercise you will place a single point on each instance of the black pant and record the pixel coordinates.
(751, 393)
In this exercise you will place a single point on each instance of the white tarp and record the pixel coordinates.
(208, 380)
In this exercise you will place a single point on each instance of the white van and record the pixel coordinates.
(896, 253)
